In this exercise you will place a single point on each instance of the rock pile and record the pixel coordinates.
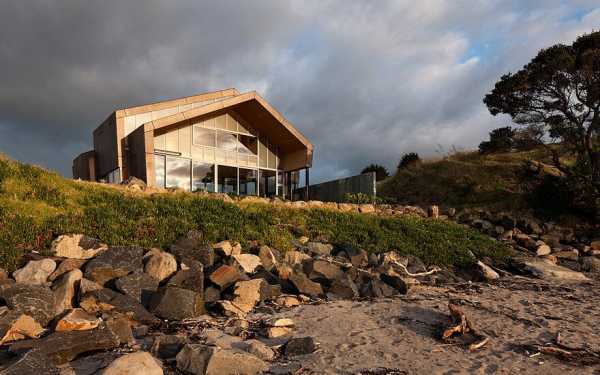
(127, 310)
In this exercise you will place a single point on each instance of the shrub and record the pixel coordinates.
(501, 140)
(409, 160)
(380, 172)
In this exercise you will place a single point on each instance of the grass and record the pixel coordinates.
(37, 205)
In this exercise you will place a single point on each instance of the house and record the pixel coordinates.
(223, 141)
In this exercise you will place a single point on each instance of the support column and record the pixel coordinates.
(307, 197)
(290, 189)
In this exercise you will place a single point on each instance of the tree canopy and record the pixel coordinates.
(380, 172)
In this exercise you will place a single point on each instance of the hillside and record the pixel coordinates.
(464, 180)
(37, 205)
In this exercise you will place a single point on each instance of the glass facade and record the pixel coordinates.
(178, 172)
(228, 179)
(203, 176)
(267, 183)
(159, 170)
(248, 180)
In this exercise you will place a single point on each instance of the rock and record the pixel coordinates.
(160, 264)
(344, 288)
(546, 270)
(32, 363)
(174, 303)
(225, 276)
(248, 262)
(62, 347)
(167, 346)
(138, 285)
(86, 286)
(36, 301)
(194, 246)
(275, 332)
(321, 269)
(212, 294)
(206, 360)
(394, 280)
(267, 257)
(376, 288)
(287, 301)
(77, 246)
(66, 266)
(228, 308)
(567, 254)
(223, 248)
(358, 257)
(433, 212)
(65, 289)
(106, 300)
(17, 326)
(279, 322)
(299, 346)
(525, 241)
(590, 264)
(295, 257)
(77, 320)
(595, 245)
(248, 294)
(90, 364)
(306, 286)
(191, 278)
(134, 364)
(542, 250)
(236, 327)
(215, 337)
(318, 248)
(256, 348)
(120, 326)
(117, 261)
(366, 208)
(303, 240)
(35, 272)
(134, 183)
(487, 273)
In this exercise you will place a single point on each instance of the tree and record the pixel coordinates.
(409, 160)
(501, 140)
(380, 172)
(559, 92)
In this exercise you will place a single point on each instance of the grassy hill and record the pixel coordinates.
(464, 180)
(37, 205)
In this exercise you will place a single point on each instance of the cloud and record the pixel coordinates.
(365, 81)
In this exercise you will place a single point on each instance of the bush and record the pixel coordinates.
(380, 172)
(501, 140)
(409, 160)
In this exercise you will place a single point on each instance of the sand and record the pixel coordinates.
(403, 333)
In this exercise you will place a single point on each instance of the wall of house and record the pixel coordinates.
(106, 147)
(84, 166)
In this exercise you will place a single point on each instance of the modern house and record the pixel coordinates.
(223, 141)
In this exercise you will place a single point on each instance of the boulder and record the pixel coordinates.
(358, 257)
(36, 301)
(106, 300)
(35, 272)
(90, 364)
(77, 320)
(572, 254)
(299, 346)
(287, 301)
(486, 272)
(160, 264)
(366, 208)
(268, 257)
(344, 288)
(590, 264)
(595, 245)
(17, 326)
(225, 276)
(294, 257)
(256, 348)
(394, 280)
(134, 183)
(86, 286)
(120, 325)
(211, 294)
(194, 246)
(215, 337)
(223, 248)
(206, 360)
(64, 290)
(543, 269)
(303, 240)
(375, 288)
(167, 346)
(191, 278)
(543, 249)
(321, 269)
(433, 212)
(138, 285)
(134, 364)
(228, 308)
(117, 261)
(525, 241)
(318, 248)
(32, 363)
(77, 246)
(248, 294)
(276, 332)
(174, 303)
(247, 262)
(66, 266)
(306, 286)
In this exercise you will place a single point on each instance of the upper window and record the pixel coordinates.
(204, 137)
(226, 141)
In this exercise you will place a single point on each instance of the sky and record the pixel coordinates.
(365, 81)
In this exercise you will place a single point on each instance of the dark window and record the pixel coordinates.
(267, 183)
(203, 176)
(248, 145)
(248, 181)
(227, 179)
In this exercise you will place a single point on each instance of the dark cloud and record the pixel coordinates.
(365, 81)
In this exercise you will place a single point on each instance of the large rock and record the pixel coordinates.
(358, 257)
(113, 263)
(17, 326)
(66, 266)
(36, 301)
(486, 272)
(294, 257)
(344, 288)
(590, 264)
(299, 346)
(223, 248)
(65, 289)
(32, 363)
(544, 269)
(318, 248)
(194, 246)
(225, 276)
(306, 286)
(177, 304)
(77, 246)
(167, 346)
(248, 294)
(35, 272)
(77, 320)
(139, 363)
(247, 262)
(106, 300)
(191, 278)
(160, 264)
(205, 360)
(62, 347)
(138, 285)
(268, 257)
(256, 348)
(375, 288)
(394, 280)
(321, 269)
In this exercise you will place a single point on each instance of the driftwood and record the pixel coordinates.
(568, 353)
(462, 326)
(418, 274)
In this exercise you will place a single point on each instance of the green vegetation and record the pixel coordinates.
(410, 160)
(36, 206)
(380, 172)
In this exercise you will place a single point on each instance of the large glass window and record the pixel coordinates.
(248, 181)
(248, 145)
(227, 179)
(267, 183)
(226, 141)
(203, 176)
(159, 170)
(204, 137)
(178, 173)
